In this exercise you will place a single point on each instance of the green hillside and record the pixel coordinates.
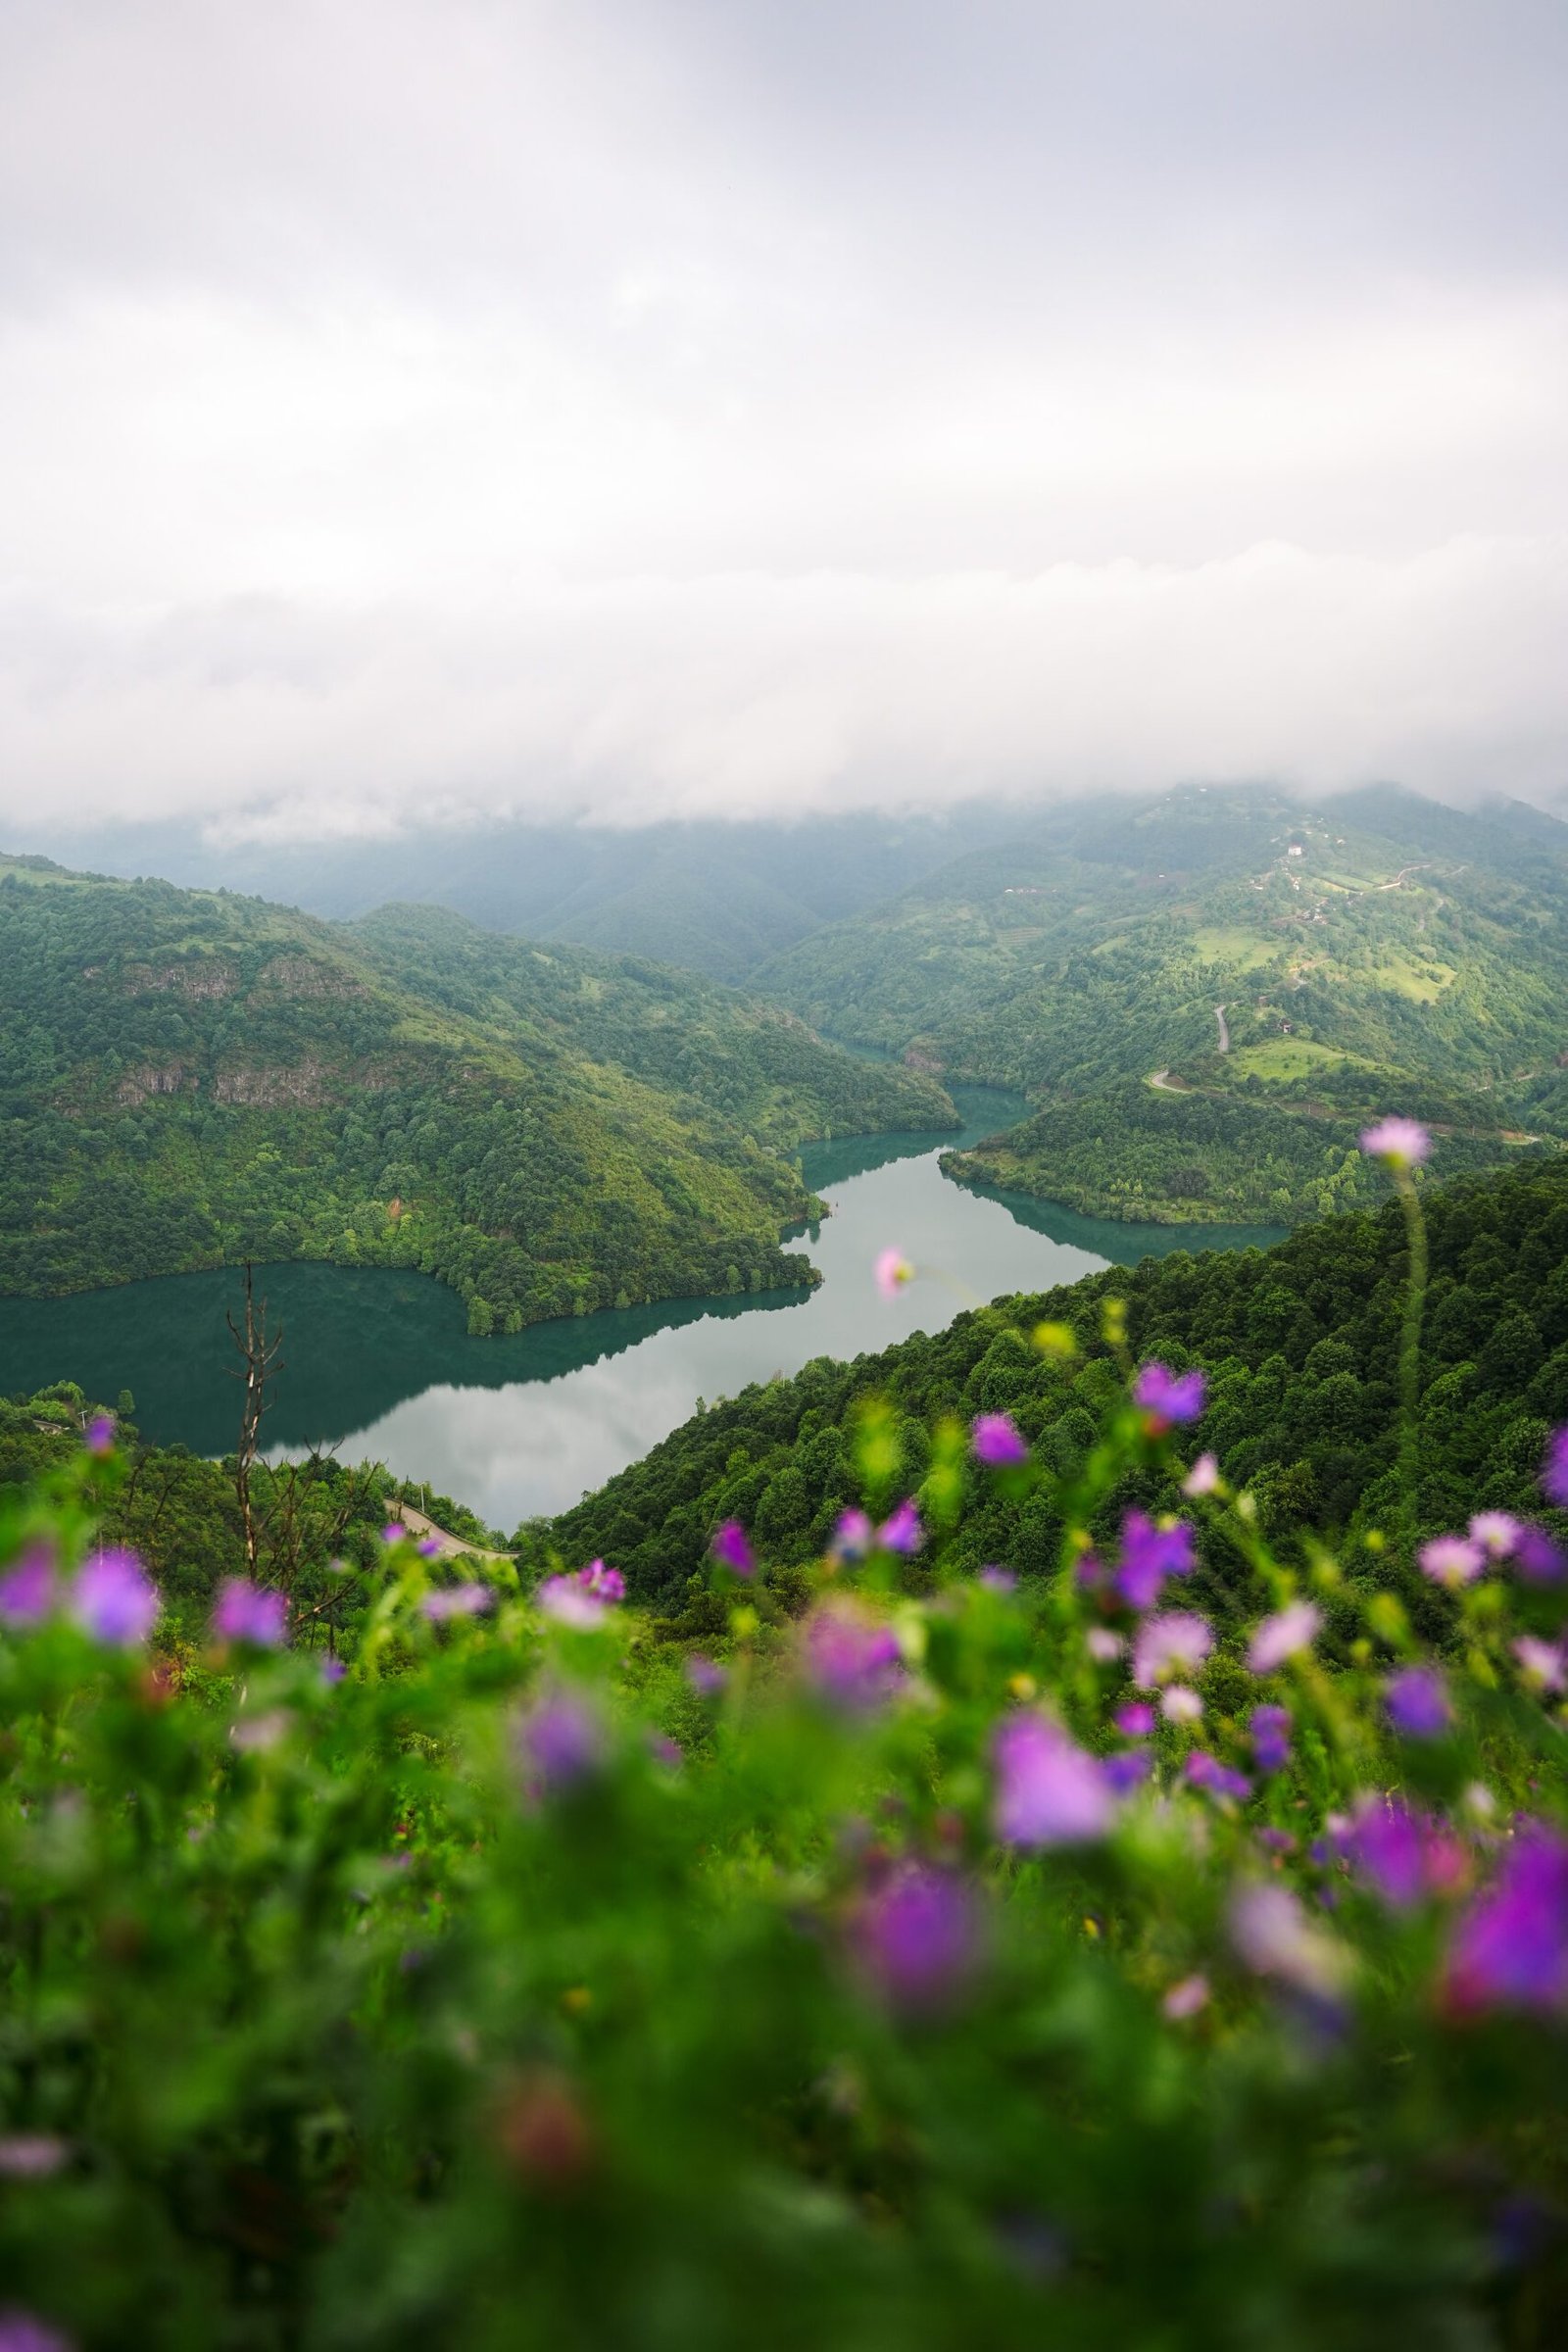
(1301, 1345)
(188, 1078)
(1379, 950)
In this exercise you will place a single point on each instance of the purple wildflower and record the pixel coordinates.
(332, 1670)
(997, 1580)
(1416, 1703)
(1554, 1469)
(891, 1272)
(244, 1612)
(1274, 1938)
(99, 1435)
(1510, 1950)
(605, 1584)
(1104, 1645)
(570, 1602)
(1451, 1560)
(849, 1659)
(705, 1678)
(1207, 1772)
(457, 1601)
(1536, 1558)
(1386, 1844)
(1136, 1720)
(1173, 1642)
(1149, 1556)
(564, 1737)
(27, 1588)
(30, 2155)
(853, 1538)
(1282, 1636)
(903, 1532)
(1541, 1664)
(916, 1938)
(1178, 1704)
(1269, 1730)
(21, 2331)
(1049, 1791)
(1496, 1533)
(729, 1547)
(1202, 1478)
(428, 1548)
(1169, 1396)
(1402, 1143)
(394, 1532)
(1186, 1999)
(113, 1600)
(1126, 1770)
(996, 1441)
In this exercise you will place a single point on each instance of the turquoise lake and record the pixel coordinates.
(380, 1364)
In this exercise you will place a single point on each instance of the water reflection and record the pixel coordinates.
(381, 1363)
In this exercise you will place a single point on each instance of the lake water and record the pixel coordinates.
(379, 1364)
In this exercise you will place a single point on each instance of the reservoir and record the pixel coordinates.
(379, 1364)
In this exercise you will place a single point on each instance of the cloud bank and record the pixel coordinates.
(416, 412)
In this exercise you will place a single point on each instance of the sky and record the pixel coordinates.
(428, 410)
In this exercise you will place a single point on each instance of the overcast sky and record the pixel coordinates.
(427, 407)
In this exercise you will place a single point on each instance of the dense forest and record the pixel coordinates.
(1299, 1345)
(188, 1078)
(1249, 951)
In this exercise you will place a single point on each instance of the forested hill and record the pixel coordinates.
(1375, 950)
(188, 1078)
(1300, 1344)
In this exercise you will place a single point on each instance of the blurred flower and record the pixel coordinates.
(1496, 1533)
(1269, 1730)
(27, 1588)
(1280, 1637)
(1174, 1643)
(1536, 1558)
(1451, 1560)
(1510, 1949)
(581, 1600)
(994, 1441)
(113, 1600)
(1168, 1397)
(849, 1658)
(21, 2331)
(563, 1735)
(1150, 1554)
(1178, 1704)
(99, 1435)
(892, 1271)
(1207, 1772)
(665, 1750)
(729, 1547)
(244, 1612)
(1402, 1143)
(1126, 1770)
(332, 1670)
(917, 1937)
(1049, 1791)
(1541, 1664)
(393, 1532)
(1416, 1703)
(30, 2155)
(1554, 1469)
(457, 1601)
(997, 1580)
(254, 1734)
(1386, 1846)
(705, 1678)
(544, 2134)
(1102, 1645)
(1202, 1478)
(1186, 1999)
(1136, 1720)
(1274, 1938)
(853, 1538)
(428, 1548)
(903, 1532)
(605, 1584)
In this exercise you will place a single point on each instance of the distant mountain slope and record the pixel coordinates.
(714, 897)
(1378, 950)
(188, 1078)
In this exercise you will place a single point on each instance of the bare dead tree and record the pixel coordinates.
(260, 1361)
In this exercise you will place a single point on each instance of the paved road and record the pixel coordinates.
(1224, 1033)
(451, 1547)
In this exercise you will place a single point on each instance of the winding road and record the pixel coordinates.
(1224, 1033)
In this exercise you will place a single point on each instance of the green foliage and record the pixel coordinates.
(188, 1079)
